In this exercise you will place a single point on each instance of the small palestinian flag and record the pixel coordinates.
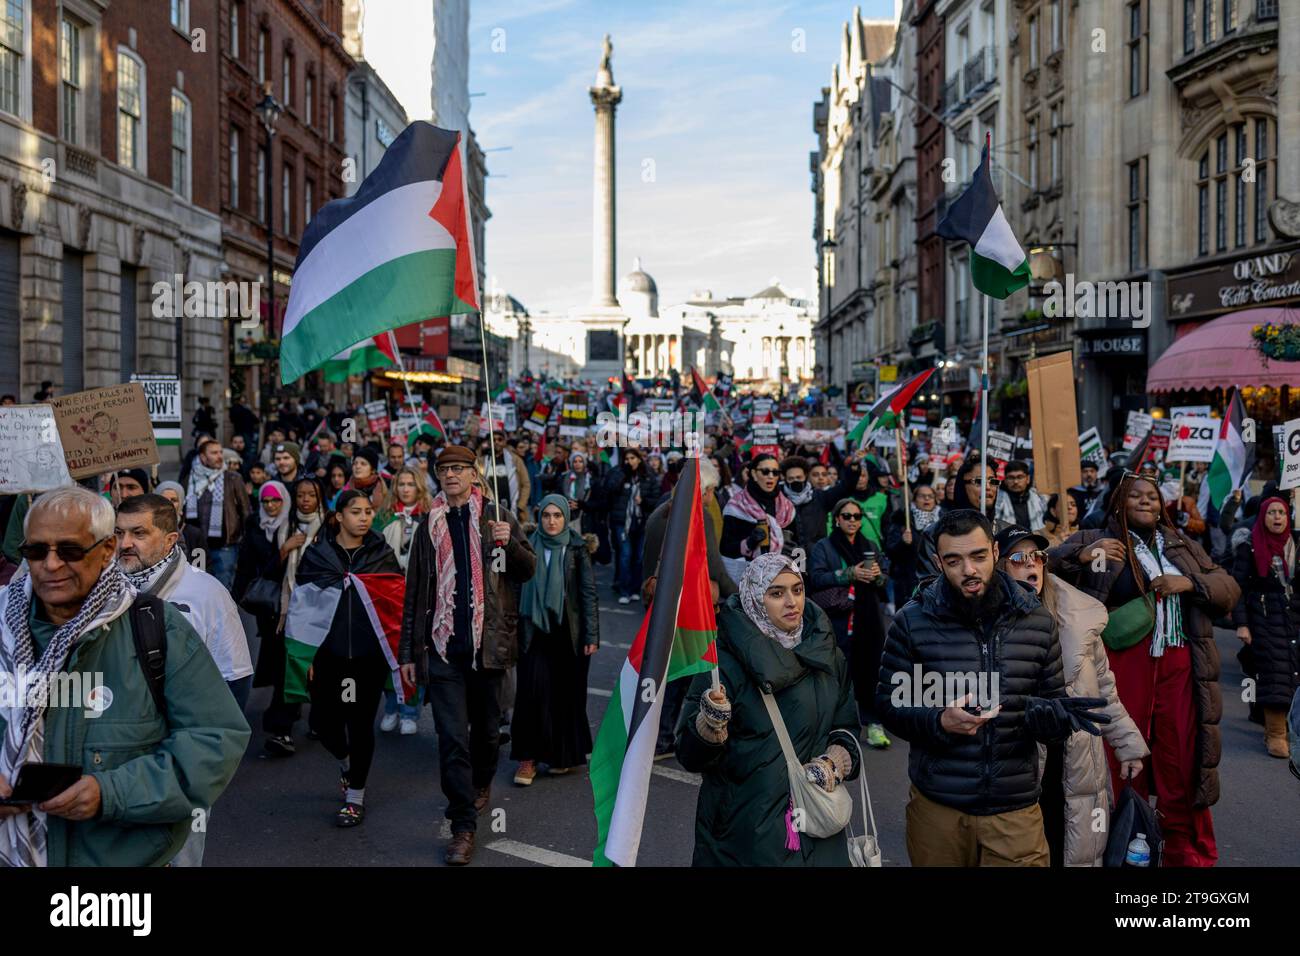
(361, 358)
(399, 251)
(676, 640)
(998, 265)
(884, 413)
(323, 583)
(701, 394)
(1234, 459)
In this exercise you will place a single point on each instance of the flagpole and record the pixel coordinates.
(984, 409)
(902, 479)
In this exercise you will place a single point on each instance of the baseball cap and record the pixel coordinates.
(1008, 538)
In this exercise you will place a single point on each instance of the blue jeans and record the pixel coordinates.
(408, 711)
(221, 565)
(627, 550)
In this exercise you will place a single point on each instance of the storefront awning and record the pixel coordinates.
(1222, 353)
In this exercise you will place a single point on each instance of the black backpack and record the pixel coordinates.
(150, 634)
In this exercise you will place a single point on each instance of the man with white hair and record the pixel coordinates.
(73, 618)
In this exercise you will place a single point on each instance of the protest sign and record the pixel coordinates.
(1160, 430)
(377, 416)
(762, 410)
(574, 415)
(823, 423)
(538, 418)
(31, 455)
(105, 429)
(162, 393)
(1183, 411)
(1001, 446)
(1192, 439)
(1055, 422)
(1024, 449)
(765, 433)
(1090, 447)
(502, 415)
(1135, 429)
(916, 420)
(1289, 462)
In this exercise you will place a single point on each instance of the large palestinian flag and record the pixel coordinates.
(321, 583)
(885, 412)
(397, 252)
(998, 266)
(676, 640)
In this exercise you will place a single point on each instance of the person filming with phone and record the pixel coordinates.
(846, 581)
(974, 756)
(112, 778)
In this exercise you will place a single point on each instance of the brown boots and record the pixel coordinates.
(1275, 732)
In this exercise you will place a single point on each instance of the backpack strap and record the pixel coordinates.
(150, 634)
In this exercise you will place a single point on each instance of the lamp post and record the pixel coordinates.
(269, 111)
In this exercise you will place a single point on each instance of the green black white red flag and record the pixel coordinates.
(884, 413)
(676, 640)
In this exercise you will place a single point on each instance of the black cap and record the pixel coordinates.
(1008, 538)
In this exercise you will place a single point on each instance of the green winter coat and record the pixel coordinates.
(153, 774)
(740, 818)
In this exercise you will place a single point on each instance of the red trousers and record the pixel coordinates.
(1157, 693)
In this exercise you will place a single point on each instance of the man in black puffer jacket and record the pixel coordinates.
(971, 676)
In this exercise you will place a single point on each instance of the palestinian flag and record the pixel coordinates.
(359, 359)
(1140, 453)
(323, 584)
(676, 640)
(430, 417)
(701, 394)
(540, 453)
(885, 412)
(1234, 460)
(397, 252)
(998, 266)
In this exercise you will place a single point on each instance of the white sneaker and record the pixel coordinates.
(389, 723)
(408, 727)
(637, 597)
(624, 599)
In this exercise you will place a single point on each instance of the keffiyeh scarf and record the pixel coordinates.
(1169, 610)
(22, 837)
(151, 580)
(744, 505)
(444, 611)
(203, 479)
(758, 577)
(924, 520)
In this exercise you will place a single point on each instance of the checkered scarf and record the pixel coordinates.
(444, 613)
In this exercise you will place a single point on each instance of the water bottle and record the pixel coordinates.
(1139, 852)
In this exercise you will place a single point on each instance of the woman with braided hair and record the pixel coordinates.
(1163, 594)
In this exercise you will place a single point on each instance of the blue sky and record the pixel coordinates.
(714, 97)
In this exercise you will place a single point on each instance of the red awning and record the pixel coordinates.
(1221, 353)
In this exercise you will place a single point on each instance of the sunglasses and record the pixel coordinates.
(851, 516)
(766, 471)
(456, 469)
(972, 482)
(68, 553)
(1027, 557)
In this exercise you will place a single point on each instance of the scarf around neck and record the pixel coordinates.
(268, 524)
(924, 520)
(743, 504)
(22, 837)
(202, 480)
(1169, 610)
(542, 598)
(444, 612)
(798, 498)
(758, 577)
(1269, 545)
(152, 580)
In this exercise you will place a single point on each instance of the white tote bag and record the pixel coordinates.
(864, 850)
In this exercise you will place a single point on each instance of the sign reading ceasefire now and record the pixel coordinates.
(105, 429)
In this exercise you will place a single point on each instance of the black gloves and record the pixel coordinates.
(757, 538)
(1054, 720)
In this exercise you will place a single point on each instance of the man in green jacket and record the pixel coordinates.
(66, 626)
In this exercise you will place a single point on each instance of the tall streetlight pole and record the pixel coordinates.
(269, 111)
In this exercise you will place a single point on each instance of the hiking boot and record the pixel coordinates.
(280, 746)
(876, 737)
(481, 803)
(461, 848)
(526, 773)
(389, 723)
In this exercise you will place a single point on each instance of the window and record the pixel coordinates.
(309, 99)
(70, 77)
(1055, 145)
(1189, 26)
(180, 144)
(262, 213)
(1031, 173)
(234, 166)
(1055, 20)
(1221, 193)
(286, 86)
(12, 45)
(1137, 214)
(1137, 42)
(263, 40)
(1239, 207)
(1033, 42)
(334, 109)
(1261, 179)
(286, 200)
(1229, 16)
(130, 111)
(235, 21)
(181, 15)
(1203, 206)
(1207, 22)
(308, 201)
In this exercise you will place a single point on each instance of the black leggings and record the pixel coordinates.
(344, 714)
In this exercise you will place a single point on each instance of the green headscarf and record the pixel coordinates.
(543, 595)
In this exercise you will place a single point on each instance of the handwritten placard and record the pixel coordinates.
(105, 429)
(31, 456)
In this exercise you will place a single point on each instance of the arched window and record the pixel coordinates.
(1235, 185)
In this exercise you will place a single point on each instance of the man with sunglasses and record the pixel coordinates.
(71, 620)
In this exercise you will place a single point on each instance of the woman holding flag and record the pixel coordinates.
(772, 641)
(349, 582)
(560, 631)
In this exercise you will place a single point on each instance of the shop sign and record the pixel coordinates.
(1272, 278)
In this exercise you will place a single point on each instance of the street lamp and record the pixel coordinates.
(269, 111)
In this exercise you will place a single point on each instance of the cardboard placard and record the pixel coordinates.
(163, 395)
(105, 429)
(31, 455)
(819, 423)
(1193, 438)
(1055, 422)
(1289, 462)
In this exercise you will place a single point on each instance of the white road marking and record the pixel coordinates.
(681, 776)
(600, 693)
(535, 854)
(616, 610)
(621, 647)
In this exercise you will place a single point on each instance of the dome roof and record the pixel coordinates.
(774, 291)
(638, 281)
